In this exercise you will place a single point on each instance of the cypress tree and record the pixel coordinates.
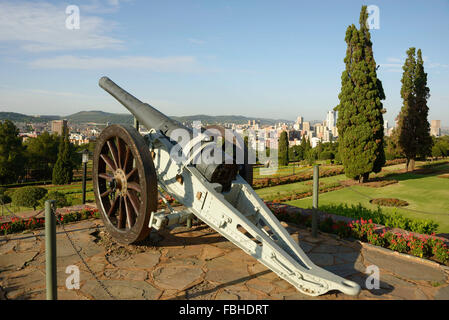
(283, 149)
(413, 132)
(58, 168)
(63, 169)
(360, 122)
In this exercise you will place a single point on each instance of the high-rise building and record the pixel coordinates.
(58, 126)
(435, 128)
(306, 126)
(331, 119)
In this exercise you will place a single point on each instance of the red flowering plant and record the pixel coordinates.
(341, 229)
(398, 243)
(439, 249)
(360, 229)
(18, 225)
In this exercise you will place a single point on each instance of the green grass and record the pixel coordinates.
(426, 193)
(74, 194)
(284, 190)
(291, 169)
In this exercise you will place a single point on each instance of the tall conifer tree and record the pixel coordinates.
(360, 122)
(413, 132)
(283, 149)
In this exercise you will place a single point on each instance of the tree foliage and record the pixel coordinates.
(413, 132)
(360, 122)
(283, 149)
(28, 196)
(12, 158)
(42, 153)
(59, 197)
(63, 169)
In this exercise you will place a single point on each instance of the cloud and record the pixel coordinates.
(196, 41)
(38, 27)
(391, 67)
(394, 60)
(102, 6)
(165, 64)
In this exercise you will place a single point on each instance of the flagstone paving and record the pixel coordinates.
(200, 264)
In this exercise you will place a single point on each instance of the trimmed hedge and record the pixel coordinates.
(392, 220)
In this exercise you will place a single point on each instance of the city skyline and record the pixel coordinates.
(209, 57)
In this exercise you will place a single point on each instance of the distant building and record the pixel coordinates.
(78, 139)
(58, 126)
(306, 126)
(435, 128)
(331, 119)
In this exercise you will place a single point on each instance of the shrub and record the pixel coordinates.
(326, 155)
(393, 219)
(398, 243)
(28, 196)
(389, 202)
(4, 197)
(59, 197)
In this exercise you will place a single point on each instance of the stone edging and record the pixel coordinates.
(405, 256)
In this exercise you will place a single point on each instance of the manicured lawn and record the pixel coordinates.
(73, 193)
(426, 193)
(297, 187)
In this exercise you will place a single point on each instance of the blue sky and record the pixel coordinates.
(273, 59)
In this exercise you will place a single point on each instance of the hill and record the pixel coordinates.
(19, 117)
(101, 117)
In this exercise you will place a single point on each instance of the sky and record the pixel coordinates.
(270, 59)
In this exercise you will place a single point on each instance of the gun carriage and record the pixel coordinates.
(130, 170)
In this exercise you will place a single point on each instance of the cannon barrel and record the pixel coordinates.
(153, 118)
(146, 114)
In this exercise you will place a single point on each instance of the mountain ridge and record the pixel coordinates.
(102, 117)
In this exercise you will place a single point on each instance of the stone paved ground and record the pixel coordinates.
(200, 264)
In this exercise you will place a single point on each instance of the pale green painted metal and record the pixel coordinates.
(316, 190)
(50, 251)
(227, 212)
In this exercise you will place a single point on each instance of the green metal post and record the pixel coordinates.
(50, 250)
(84, 181)
(189, 223)
(316, 175)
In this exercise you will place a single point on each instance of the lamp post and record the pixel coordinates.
(85, 159)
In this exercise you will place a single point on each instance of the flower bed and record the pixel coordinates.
(423, 246)
(389, 202)
(392, 220)
(17, 225)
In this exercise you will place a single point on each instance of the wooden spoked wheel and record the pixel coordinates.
(246, 169)
(125, 183)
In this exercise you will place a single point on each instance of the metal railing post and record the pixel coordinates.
(84, 181)
(50, 251)
(316, 190)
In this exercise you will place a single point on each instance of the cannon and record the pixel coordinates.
(130, 170)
